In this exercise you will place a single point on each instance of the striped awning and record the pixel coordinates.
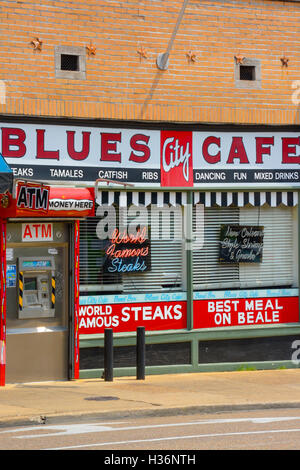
(208, 198)
(241, 199)
(140, 198)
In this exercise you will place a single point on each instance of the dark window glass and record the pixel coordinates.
(247, 72)
(69, 62)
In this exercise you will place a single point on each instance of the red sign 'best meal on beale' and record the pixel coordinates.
(151, 157)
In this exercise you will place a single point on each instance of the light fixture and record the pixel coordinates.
(162, 60)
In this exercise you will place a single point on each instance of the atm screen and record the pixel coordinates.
(35, 264)
(30, 283)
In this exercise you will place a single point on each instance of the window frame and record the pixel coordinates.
(79, 51)
(248, 84)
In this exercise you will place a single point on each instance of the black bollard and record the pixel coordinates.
(140, 353)
(108, 355)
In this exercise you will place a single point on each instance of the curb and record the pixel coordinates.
(185, 410)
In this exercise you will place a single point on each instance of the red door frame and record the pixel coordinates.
(2, 301)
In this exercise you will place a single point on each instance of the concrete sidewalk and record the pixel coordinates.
(156, 395)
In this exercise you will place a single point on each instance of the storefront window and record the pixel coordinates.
(159, 271)
(277, 266)
(92, 255)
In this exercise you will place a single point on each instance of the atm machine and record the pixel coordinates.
(39, 306)
(36, 287)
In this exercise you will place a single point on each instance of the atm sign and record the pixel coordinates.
(37, 232)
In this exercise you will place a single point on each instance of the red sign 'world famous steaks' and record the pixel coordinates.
(154, 316)
(176, 164)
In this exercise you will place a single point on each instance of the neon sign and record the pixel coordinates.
(128, 253)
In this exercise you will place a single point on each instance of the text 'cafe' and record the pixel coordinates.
(191, 234)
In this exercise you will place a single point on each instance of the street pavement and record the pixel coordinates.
(157, 395)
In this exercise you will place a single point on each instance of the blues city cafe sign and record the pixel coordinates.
(151, 157)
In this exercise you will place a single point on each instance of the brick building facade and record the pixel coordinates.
(193, 105)
(121, 81)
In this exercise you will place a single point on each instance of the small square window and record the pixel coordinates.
(69, 62)
(247, 72)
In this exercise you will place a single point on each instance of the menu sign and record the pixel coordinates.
(241, 244)
(128, 253)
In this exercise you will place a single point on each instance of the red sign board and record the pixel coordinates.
(156, 316)
(245, 312)
(172, 315)
(71, 202)
(176, 159)
(34, 200)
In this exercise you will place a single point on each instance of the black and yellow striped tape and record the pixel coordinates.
(53, 292)
(21, 289)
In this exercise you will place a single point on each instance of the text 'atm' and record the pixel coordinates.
(36, 287)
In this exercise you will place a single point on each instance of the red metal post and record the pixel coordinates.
(2, 302)
(76, 300)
